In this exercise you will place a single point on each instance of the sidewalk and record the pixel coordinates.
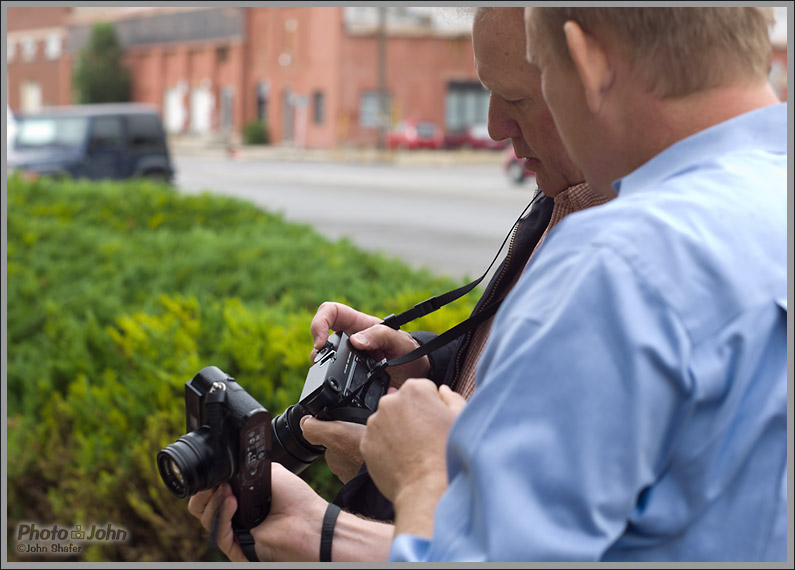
(189, 146)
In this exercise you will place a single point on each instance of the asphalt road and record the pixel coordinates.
(450, 219)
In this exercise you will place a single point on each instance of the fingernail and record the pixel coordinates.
(361, 339)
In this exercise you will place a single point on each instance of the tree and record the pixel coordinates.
(99, 76)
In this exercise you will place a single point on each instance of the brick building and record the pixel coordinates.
(311, 73)
(39, 70)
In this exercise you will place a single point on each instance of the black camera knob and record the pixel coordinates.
(333, 384)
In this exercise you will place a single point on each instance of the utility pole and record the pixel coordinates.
(384, 114)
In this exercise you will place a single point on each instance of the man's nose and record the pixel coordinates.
(501, 124)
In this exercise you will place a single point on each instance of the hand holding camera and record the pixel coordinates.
(229, 438)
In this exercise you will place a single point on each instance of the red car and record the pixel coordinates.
(415, 134)
(515, 168)
(474, 137)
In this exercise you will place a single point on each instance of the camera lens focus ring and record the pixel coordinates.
(186, 466)
(289, 446)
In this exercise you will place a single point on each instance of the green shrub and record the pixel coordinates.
(117, 295)
(256, 132)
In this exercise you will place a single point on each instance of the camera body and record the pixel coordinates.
(342, 384)
(228, 438)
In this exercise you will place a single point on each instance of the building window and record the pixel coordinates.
(466, 104)
(52, 49)
(222, 54)
(263, 90)
(11, 50)
(369, 109)
(318, 107)
(28, 49)
(30, 95)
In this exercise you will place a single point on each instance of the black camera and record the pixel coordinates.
(342, 384)
(228, 439)
(229, 433)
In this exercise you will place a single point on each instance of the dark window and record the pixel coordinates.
(263, 90)
(145, 132)
(107, 132)
(222, 54)
(319, 107)
(467, 103)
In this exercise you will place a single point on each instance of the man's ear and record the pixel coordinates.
(592, 64)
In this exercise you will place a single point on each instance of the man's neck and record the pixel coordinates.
(651, 125)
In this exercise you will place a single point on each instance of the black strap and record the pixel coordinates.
(447, 336)
(327, 532)
(244, 538)
(434, 303)
(348, 414)
(246, 542)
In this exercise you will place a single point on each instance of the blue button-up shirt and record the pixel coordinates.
(632, 399)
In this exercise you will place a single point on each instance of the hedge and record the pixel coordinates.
(118, 293)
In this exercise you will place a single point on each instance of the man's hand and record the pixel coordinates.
(341, 440)
(404, 448)
(368, 335)
(291, 532)
(337, 317)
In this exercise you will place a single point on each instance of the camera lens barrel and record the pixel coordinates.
(289, 446)
(187, 466)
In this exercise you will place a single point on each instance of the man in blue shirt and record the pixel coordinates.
(631, 402)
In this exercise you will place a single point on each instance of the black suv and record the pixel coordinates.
(111, 140)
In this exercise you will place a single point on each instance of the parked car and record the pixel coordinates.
(515, 167)
(474, 137)
(112, 140)
(415, 134)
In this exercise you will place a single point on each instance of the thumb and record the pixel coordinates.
(385, 339)
(315, 431)
(454, 400)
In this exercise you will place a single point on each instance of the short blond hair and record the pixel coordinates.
(677, 51)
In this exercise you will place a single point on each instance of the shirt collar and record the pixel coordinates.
(760, 129)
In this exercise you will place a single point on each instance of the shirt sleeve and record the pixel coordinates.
(409, 548)
(579, 389)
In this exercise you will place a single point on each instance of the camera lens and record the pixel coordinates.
(175, 470)
(187, 466)
(289, 446)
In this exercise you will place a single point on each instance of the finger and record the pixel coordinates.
(225, 535)
(454, 400)
(215, 502)
(381, 338)
(338, 317)
(198, 502)
(329, 433)
(313, 430)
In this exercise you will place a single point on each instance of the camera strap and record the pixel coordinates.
(435, 303)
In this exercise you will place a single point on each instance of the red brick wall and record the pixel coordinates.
(35, 17)
(54, 76)
(418, 70)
